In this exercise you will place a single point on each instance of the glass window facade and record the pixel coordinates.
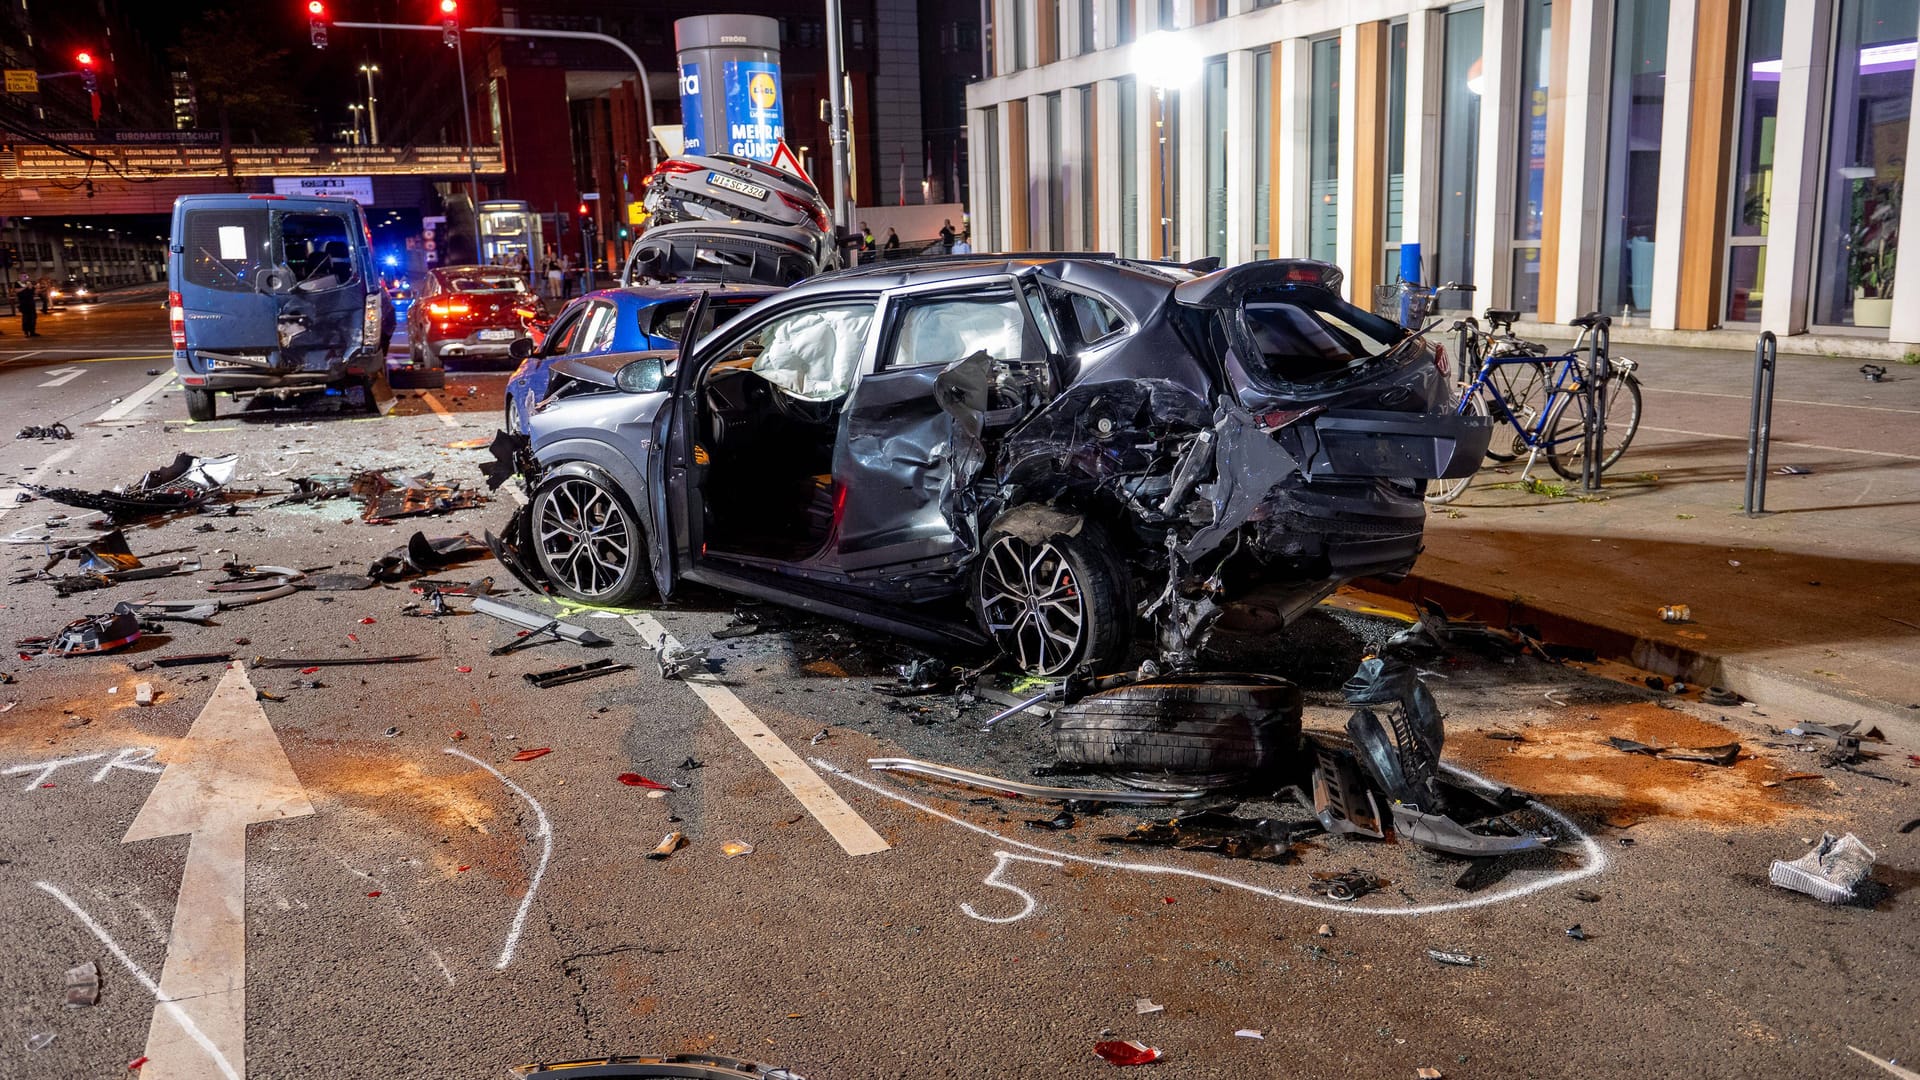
(1751, 199)
(1123, 32)
(1865, 167)
(1167, 126)
(1263, 154)
(990, 240)
(1396, 159)
(1128, 121)
(1637, 95)
(1214, 102)
(1089, 170)
(1461, 84)
(1323, 153)
(1530, 195)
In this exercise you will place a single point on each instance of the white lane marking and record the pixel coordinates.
(62, 376)
(26, 355)
(1897, 1070)
(9, 496)
(1596, 858)
(546, 853)
(229, 772)
(1781, 401)
(137, 398)
(1000, 861)
(1785, 442)
(172, 1008)
(440, 410)
(854, 835)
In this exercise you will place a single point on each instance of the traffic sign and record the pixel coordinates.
(785, 158)
(22, 81)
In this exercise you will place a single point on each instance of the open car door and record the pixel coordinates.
(673, 470)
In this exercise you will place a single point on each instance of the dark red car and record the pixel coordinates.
(464, 313)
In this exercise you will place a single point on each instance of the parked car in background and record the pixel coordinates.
(1031, 454)
(620, 321)
(464, 313)
(273, 293)
(73, 291)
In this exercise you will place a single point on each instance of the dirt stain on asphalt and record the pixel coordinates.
(404, 793)
(1569, 763)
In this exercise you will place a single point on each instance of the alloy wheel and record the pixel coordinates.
(1032, 604)
(585, 537)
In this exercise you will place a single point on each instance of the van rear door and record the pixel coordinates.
(321, 309)
(226, 261)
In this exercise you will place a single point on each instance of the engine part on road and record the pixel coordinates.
(338, 661)
(533, 620)
(984, 782)
(593, 669)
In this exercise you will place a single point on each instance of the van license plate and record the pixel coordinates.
(721, 180)
(496, 335)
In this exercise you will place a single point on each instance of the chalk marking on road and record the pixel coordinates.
(1001, 859)
(62, 376)
(1785, 442)
(1596, 859)
(229, 772)
(137, 398)
(841, 821)
(172, 1008)
(1781, 401)
(440, 410)
(546, 853)
(46, 769)
(129, 759)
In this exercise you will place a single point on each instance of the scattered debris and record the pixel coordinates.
(671, 843)
(1425, 1072)
(533, 620)
(636, 780)
(1720, 695)
(576, 673)
(40, 1040)
(529, 755)
(1146, 1006)
(392, 732)
(1831, 872)
(386, 500)
(1576, 933)
(691, 763)
(1344, 885)
(56, 430)
(680, 661)
(746, 622)
(1911, 825)
(1250, 1033)
(143, 693)
(187, 659)
(84, 637)
(1873, 372)
(83, 985)
(1711, 755)
(1220, 832)
(1059, 822)
(1453, 958)
(736, 848)
(424, 556)
(337, 661)
(1586, 897)
(1127, 1052)
(818, 738)
(187, 484)
(1676, 613)
(1324, 931)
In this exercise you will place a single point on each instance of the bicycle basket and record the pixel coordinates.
(1404, 302)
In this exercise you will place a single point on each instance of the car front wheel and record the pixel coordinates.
(1054, 603)
(587, 540)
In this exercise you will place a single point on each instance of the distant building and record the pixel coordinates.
(185, 105)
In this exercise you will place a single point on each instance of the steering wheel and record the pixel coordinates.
(806, 411)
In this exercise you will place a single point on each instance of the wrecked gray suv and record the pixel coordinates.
(1035, 454)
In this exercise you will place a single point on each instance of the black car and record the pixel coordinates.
(1035, 453)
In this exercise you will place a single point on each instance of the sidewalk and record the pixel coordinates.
(1814, 606)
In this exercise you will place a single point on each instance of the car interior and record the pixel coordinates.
(771, 411)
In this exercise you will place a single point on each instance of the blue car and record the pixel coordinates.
(630, 319)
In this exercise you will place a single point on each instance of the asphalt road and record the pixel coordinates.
(446, 910)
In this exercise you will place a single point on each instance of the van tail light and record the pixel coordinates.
(370, 320)
(177, 320)
(809, 208)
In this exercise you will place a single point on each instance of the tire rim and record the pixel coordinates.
(1031, 603)
(513, 417)
(585, 539)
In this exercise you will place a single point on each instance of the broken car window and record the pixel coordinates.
(486, 282)
(942, 329)
(1303, 333)
(1084, 318)
(812, 354)
(315, 247)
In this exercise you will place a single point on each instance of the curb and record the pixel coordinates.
(1756, 682)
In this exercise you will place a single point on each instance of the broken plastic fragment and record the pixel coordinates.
(40, 1040)
(83, 985)
(636, 780)
(734, 848)
(1250, 1033)
(1127, 1052)
(667, 846)
(529, 755)
(1576, 933)
(1831, 872)
(1144, 1006)
(1454, 958)
(464, 669)
(137, 1063)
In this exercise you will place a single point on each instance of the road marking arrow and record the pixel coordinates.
(229, 772)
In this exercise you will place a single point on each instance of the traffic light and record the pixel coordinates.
(584, 210)
(88, 77)
(317, 23)
(449, 23)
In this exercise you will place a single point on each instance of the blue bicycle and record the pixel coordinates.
(1539, 394)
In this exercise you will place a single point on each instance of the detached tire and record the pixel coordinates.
(200, 405)
(1228, 725)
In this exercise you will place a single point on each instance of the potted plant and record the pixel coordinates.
(1873, 248)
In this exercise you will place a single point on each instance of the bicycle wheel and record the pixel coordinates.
(1445, 491)
(1623, 422)
(1523, 388)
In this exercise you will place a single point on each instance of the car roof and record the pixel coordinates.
(230, 199)
(675, 290)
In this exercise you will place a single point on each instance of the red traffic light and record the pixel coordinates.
(449, 7)
(85, 58)
(316, 9)
(584, 211)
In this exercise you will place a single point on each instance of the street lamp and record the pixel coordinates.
(1165, 61)
(373, 117)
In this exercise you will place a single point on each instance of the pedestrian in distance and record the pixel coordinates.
(946, 236)
(553, 277)
(893, 239)
(866, 237)
(29, 311)
(961, 247)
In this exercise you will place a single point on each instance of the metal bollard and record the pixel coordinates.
(1760, 422)
(1594, 406)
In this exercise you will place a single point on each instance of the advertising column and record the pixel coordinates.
(730, 84)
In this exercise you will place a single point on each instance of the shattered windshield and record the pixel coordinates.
(486, 282)
(1304, 333)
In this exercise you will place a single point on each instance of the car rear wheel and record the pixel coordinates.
(200, 405)
(587, 540)
(1056, 603)
(515, 425)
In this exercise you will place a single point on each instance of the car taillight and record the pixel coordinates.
(451, 307)
(370, 320)
(177, 320)
(1440, 360)
(674, 165)
(809, 208)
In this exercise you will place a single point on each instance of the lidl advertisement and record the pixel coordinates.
(754, 122)
(691, 114)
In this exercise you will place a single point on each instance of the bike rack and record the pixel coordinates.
(1760, 422)
(1593, 440)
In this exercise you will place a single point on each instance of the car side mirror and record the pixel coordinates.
(521, 348)
(643, 376)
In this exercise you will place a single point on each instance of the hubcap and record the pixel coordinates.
(1032, 604)
(585, 539)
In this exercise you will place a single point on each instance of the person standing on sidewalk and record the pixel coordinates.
(29, 311)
